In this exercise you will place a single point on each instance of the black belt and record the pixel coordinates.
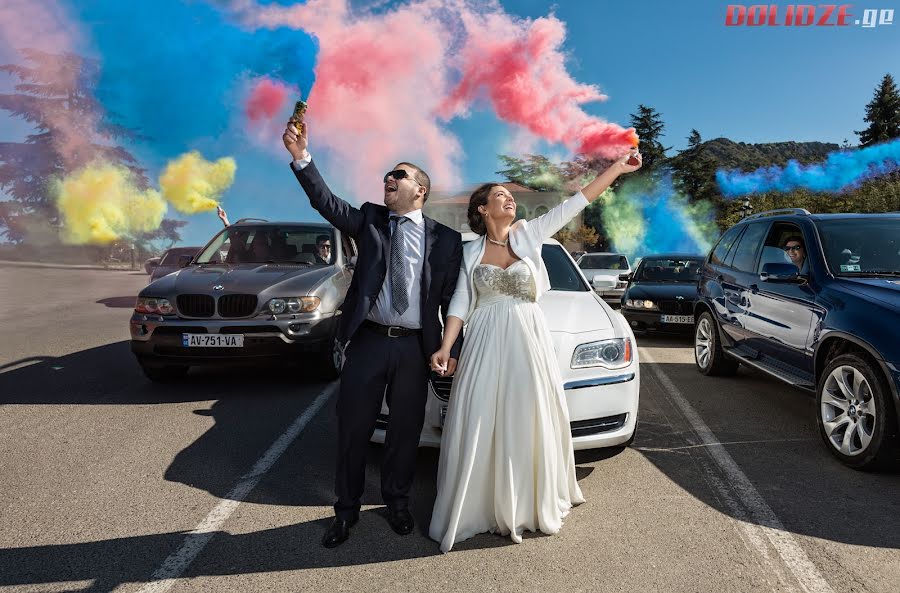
(391, 331)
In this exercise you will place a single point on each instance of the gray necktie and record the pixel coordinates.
(399, 296)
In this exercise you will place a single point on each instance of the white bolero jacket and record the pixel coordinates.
(526, 238)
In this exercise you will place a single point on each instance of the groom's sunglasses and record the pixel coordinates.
(399, 174)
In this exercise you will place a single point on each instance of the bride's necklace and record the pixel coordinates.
(500, 243)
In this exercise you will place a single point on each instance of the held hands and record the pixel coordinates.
(442, 364)
(294, 139)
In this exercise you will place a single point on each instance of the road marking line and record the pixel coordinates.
(683, 447)
(761, 514)
(177, 562)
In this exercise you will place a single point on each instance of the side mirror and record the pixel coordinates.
(603, 282)
(778, 272)
(625, 277)
(185, 260)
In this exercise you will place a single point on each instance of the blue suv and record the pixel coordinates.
(814, 300)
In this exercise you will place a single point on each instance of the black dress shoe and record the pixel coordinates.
(401, 521)
(338, 532)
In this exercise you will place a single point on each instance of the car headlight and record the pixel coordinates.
(612, 354)
(305, 304)
(641, 304)
(154, 305)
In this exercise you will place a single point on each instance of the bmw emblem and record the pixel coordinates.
(218, 287)
(679, 298)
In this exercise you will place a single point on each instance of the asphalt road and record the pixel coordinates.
(224, 482)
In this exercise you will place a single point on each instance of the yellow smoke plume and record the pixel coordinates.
(101, 203)
(192, 184)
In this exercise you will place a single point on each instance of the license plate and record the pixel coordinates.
(678, 319)
(212, 340)
(443, 415)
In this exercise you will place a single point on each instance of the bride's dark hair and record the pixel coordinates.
(479, 198)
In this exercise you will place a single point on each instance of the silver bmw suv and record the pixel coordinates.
(258, 290)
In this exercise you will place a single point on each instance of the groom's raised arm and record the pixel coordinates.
(346, 218)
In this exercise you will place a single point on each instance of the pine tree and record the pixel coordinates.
(694, 171)
(54, 95)
(882, 114)
(649, 126)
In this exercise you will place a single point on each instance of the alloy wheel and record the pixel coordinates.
(848, 410)
(703, 343)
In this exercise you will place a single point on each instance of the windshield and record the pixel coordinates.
(170, 258)
(665, 269)
(603, 262)
(861, 246)
(246, 244)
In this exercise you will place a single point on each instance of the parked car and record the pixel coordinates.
(827, 322)
(151, 264)
(597, 358)
(607, 264)
(661, 293)
(258, 290)
(173, 260)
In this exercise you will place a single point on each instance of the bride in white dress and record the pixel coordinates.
(506, 461)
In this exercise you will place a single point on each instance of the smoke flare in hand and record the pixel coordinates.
(192, 184)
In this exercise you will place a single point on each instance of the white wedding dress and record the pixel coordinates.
(506, 461)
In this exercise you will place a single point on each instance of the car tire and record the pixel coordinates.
(330, 362)
(853, 387)
(708, 352)
(164, 374)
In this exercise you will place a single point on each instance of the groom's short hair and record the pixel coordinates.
(420, 176)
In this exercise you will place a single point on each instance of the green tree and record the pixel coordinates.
(882, 114)
(649, 126)
(694, 171)
(54, 95)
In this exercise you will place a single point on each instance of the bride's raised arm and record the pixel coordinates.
(547, 225)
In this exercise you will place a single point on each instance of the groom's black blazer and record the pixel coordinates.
(369, 225)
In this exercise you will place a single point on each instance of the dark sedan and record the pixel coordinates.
(173, 260)
(661, 293)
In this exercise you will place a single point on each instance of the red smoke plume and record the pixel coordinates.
(383, 83)
(267, 98)
(520, 66)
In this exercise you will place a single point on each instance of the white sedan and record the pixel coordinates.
(597, 357)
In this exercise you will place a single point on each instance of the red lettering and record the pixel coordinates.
(735, 15)
(823, 20)
(789, 17)
(844, 16)
(756, 15)
(806, 15)
(773, 15)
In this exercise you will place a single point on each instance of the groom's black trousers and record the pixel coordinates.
(378, 366)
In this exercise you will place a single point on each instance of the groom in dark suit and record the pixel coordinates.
(405, 276)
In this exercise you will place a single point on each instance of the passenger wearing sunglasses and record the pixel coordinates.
(323, 249)
(401, 289)
(793, 246)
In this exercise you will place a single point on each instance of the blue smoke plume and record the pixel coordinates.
(842, 170)
(176, 71)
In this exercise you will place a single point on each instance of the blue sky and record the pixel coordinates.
(756, 84)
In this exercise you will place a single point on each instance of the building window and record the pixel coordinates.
(521, 212)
